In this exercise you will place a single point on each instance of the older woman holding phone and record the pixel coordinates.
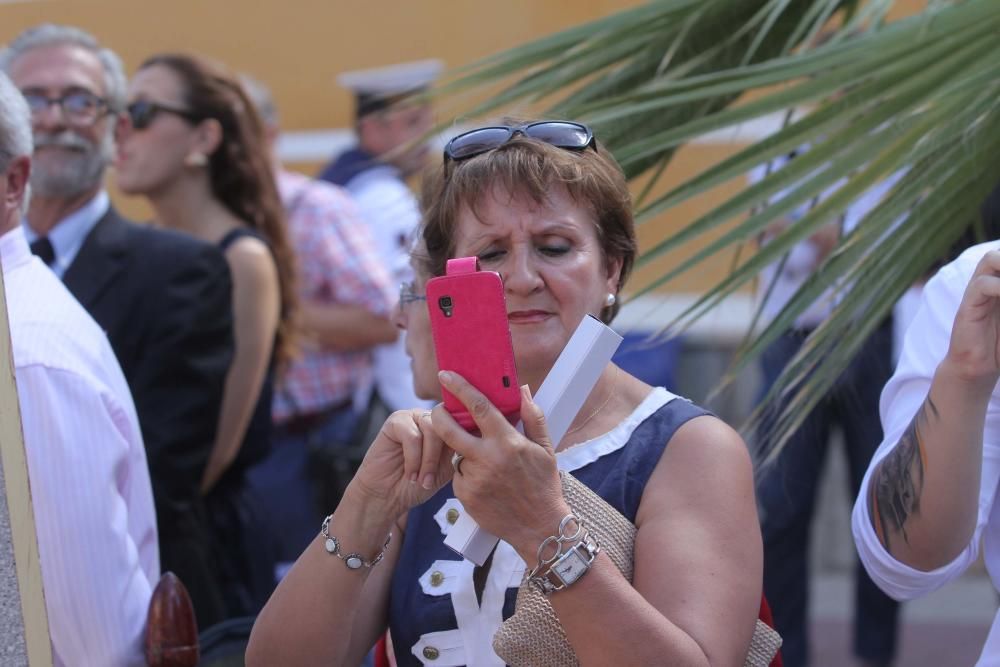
(544, 205)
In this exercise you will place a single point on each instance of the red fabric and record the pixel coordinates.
(381, 653)
(766, 617)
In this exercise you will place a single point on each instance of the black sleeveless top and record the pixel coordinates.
(257, 441)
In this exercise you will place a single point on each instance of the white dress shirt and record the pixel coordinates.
(393, 215)
(90, 487)
(924, 347)
(68, 235)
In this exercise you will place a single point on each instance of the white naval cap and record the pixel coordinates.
(381, 87)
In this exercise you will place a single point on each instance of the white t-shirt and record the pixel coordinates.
(924, 347)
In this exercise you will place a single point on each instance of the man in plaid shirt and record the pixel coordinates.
(346, 299)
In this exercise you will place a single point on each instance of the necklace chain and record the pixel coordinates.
(611, 394)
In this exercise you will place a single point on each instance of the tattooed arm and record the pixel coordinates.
(923, 496)
(898, 482)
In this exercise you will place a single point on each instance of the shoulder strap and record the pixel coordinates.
(234, 234)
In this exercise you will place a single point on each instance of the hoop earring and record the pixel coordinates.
(610, 300)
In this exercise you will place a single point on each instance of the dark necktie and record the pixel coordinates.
(43, 248)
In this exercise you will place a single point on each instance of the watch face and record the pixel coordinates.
(571, 566)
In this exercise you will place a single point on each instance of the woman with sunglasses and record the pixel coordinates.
(546, 206)
(196, 152)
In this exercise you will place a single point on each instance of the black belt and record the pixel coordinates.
(303, 423)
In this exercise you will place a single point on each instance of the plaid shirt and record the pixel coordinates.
(338, 263)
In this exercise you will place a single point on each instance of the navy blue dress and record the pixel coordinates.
(434, 614)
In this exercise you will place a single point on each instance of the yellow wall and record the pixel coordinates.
(298, 47)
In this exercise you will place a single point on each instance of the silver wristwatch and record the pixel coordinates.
(569, 567)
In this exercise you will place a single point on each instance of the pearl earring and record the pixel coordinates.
(609, 300)
(196, 160)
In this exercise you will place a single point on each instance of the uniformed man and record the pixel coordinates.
(391, 117)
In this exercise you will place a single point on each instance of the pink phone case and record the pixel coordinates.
(472, 337)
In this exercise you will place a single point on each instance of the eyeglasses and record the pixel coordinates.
(143, 113)
(80, 108)
(559, 133)
(407, 295)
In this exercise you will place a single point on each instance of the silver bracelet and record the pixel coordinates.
(353, 561)
(573, 550)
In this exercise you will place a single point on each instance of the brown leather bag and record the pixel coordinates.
(171, 628)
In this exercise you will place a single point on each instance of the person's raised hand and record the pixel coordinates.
(974, 350)
(508, 482)
(405, 465)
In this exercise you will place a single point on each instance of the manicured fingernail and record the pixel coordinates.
(526, 393)
(428, 481)
(413, 478)
(445, 377)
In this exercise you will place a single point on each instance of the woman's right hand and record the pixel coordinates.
(405, 465)
(974, 350)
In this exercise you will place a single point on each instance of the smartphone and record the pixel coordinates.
(468, 314)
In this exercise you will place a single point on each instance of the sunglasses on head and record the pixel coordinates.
(143, 113)
(558, 133)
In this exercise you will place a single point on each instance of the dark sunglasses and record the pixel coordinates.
(558, 133)
(144, 112)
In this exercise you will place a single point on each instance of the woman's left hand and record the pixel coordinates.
(508, 482)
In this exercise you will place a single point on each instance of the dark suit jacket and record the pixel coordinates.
(164, 299)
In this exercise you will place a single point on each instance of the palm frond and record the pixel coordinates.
(918, 95)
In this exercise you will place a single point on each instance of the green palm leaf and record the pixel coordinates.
(919, 94)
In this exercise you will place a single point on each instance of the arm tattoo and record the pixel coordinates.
(898, 480)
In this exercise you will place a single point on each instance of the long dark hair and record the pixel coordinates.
(240, 169)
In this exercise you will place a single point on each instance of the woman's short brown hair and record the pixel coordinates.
(530, 167)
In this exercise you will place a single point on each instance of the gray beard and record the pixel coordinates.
(73, 175)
